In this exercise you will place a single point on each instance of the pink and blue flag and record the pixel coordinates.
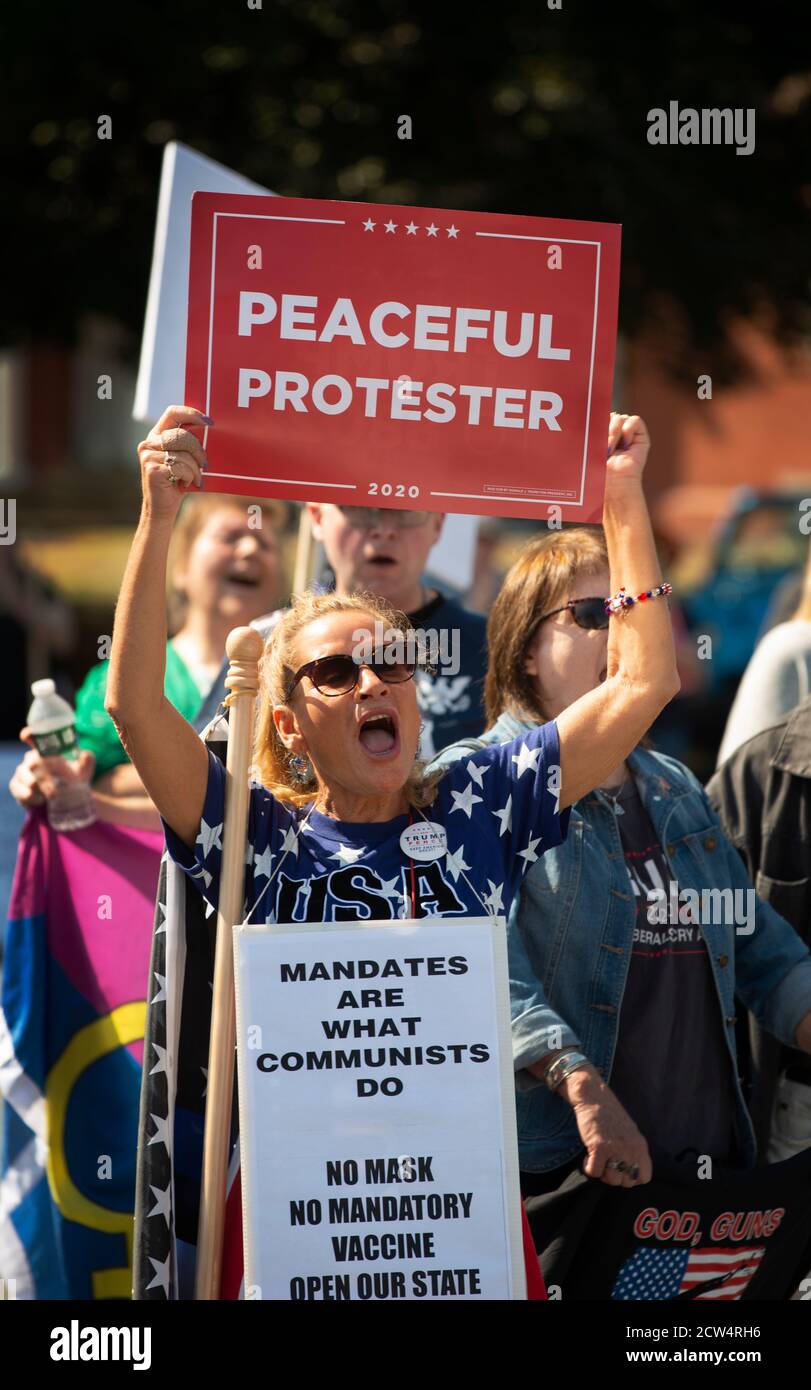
(74, 1001)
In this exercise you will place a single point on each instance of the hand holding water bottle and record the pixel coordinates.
(55, 770)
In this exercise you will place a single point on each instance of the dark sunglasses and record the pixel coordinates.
(338, 674)
(588, 613)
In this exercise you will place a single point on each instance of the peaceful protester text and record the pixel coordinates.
(457, 362)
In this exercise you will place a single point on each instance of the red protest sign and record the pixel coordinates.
(397, 356)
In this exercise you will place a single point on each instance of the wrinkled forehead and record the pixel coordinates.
(586, 583)
(335, 632)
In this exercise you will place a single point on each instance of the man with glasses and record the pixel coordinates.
(384, 551)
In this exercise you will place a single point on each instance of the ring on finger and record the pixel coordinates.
(170, 464)
(618, 1164)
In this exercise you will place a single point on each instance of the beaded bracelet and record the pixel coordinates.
(623, 601)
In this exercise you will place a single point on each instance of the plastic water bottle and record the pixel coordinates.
(53, 729)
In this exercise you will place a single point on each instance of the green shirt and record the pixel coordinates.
(94, 727)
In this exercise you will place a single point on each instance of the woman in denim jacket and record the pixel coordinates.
(631, 940)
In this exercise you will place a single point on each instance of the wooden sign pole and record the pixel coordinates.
(305, 546)
(244, 648)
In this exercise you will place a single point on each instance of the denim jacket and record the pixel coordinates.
(570, 933)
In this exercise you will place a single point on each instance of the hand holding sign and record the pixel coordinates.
(172, 460)
(628, 445)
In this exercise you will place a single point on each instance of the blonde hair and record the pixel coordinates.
(539, 580)
(195, 511)
(271, 760)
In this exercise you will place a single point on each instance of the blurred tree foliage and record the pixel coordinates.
(515, 107)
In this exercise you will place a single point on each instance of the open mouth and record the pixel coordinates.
(242, 580)
(381, 561)
(378, 735)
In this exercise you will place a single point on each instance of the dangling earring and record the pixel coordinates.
(300, 767)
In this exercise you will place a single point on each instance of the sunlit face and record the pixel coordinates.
(232, 568)
(566, 661)
(363, 742)
(388, 560)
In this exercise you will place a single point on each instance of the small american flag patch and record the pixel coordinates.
(653, 1273)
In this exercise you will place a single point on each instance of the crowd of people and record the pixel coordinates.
(660, 974)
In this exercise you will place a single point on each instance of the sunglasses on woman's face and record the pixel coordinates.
(588, 613)
(338, 674)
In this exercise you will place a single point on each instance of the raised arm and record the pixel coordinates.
(599, 730)
(165, 750)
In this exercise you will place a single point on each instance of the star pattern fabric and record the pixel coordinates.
(529, 854)
(465, 801)
(476, 771)
(348, 854)
(455, 863)
(161, 1135)
(210, 837)
(289, 841)
(526, 759)
(505, 816)
(495, 810)
(163, 1203)
(263, 863)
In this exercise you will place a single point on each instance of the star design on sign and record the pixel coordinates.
(210, 837)
(161, 1268)
(432, 230)
(161, 1135)
(289, 841)
(526, 759)
(411, 229)
(528, 855)
(465, 801)
(162, 1205)
(160, 1065)
(369, 225)
(505, 815)
(455, 863)
(161, 994)
(452, 231)
(345, 854)
(262, 863)
(161, 927)
(493, 902)
(391, 226)
(476, 771)
(390, 887)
